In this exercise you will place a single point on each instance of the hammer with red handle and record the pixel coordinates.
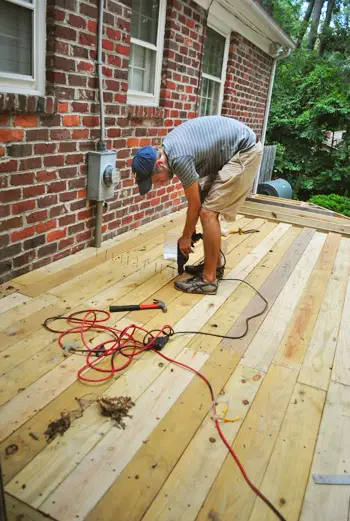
(157, 304)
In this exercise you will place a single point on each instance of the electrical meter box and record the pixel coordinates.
(102, 175)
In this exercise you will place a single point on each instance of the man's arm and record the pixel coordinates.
(194, 205)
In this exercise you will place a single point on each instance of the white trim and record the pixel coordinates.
(143, 98)
(30, 85)
(217, 25)
(249, 19)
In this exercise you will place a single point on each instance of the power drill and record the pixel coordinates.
(181, 258)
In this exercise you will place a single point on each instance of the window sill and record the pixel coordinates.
(27, 104)
(143, 112)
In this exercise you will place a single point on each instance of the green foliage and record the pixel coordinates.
(311, 97)
(333, 202)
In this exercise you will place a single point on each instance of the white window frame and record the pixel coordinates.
(34, 84)
(225, 31)
(135, 97)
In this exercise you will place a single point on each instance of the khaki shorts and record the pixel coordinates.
(226, 193)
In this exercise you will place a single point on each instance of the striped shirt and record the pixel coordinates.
(202, 146)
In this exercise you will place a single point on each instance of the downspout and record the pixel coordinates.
(101, 145)
(285, 54)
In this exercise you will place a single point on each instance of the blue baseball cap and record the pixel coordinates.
(143, 166)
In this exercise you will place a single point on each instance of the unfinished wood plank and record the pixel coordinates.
(296, 217)
(300, 212)
(11, 301)
(341, 366)
(332, 456)
(24, 310)
(270, 290)
(7, 288)
(264, 345)
(19, 511)
(97, 472)
(61, 457)
(186, 488)
(317, 365)
(156, 458)
(296, 339)
(234, 306)
(230, 498)
(287, 474)
(35, 284)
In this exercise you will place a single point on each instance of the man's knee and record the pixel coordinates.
(207, 216)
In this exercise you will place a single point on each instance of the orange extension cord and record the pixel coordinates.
(123, 342)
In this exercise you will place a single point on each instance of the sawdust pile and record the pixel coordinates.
(116, 408)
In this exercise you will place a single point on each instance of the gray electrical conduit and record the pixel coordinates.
(101, 145)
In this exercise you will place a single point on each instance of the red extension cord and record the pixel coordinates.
(124, 343)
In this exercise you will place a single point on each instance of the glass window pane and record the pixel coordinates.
(15, 39)
(144, 20)
(141, 69)
(209, 98)
(214, 49)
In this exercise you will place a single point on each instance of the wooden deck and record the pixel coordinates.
(288, 379)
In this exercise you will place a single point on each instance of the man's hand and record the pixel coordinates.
(185, 245)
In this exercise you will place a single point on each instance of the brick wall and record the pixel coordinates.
(44, 214)
(247, 83)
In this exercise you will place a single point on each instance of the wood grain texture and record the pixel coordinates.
(332, 456)
(317, 364)
(288, 471)
(296, 339)
(230, 498)
(264, 345)
(341, 366)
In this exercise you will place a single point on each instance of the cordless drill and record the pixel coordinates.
(181, 258)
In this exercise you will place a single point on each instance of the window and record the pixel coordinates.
(214, 72)
(22, 46)
(147, 33)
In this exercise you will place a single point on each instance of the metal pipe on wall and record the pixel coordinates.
(98, 227)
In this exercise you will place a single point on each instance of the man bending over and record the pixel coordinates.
(216, 159)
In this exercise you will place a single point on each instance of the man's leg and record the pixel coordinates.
(212, 242)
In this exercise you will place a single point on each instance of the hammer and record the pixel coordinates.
(157, 304)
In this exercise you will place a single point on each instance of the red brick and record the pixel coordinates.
(54, 160)
(8, 166)
(87, 39)
(44, 148)
(80, 133)
(120, 98)
(23, 206)
(40, 134)
(5, 211)
(8, 224)
(68, 196)
(66, 33)
(71, 146)
(2, 151)
(26, 121)
(67, 219)
(91, 121)
(6, 196)
(92, 26)
(66, 242)
(57, 187)
(108, 45)
(31, 163)
(11, 135)
(74, 159)
(122, 49)
(35, 217)
(85, 214)
(63, 106)
(133, 142)
(77, 21)
(45, 226)
(22, 179)
(56, 235)
(33, 191)
(81, 194)
(4, 120)
(113, 34)
(48, 200)
(23, 234)
(85, 67)
(84, 236)
(59, 134)
(71, 121)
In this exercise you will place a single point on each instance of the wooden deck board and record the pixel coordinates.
(164, 466)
